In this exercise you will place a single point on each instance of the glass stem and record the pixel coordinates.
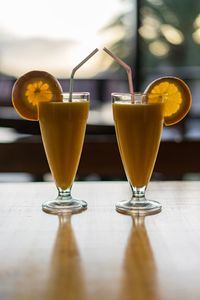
(64, 195)
(138, 192)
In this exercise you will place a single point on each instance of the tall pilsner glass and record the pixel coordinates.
(62, 126)
(138, 126)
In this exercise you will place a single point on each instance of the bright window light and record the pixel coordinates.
(56, 35)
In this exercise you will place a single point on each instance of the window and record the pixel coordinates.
(155, 37)
(57, 35)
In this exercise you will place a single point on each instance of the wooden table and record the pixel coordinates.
(100, 254)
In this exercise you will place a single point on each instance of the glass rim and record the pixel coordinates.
(116, 94)
(127, 94)
(136, 98)
(66, 94)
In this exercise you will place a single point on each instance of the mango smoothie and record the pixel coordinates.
(63, 126)
(138, 129)
(38, 96)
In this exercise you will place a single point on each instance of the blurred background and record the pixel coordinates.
(155, 37)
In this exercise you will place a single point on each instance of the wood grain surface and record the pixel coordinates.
(100, 254)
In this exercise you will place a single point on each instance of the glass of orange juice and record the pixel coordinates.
(63, 126)
(138, 126)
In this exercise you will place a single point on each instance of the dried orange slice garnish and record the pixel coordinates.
(176, 96)
(32, 88)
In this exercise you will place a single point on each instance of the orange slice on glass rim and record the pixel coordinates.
(176, 96)
(32, 88)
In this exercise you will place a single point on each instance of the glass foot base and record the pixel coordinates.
(140, 207)
(61, 206)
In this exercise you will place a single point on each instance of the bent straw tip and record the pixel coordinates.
(95, 50)
(105, 49)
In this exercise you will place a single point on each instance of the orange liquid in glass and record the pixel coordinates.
(138, 129)
(62, 128)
